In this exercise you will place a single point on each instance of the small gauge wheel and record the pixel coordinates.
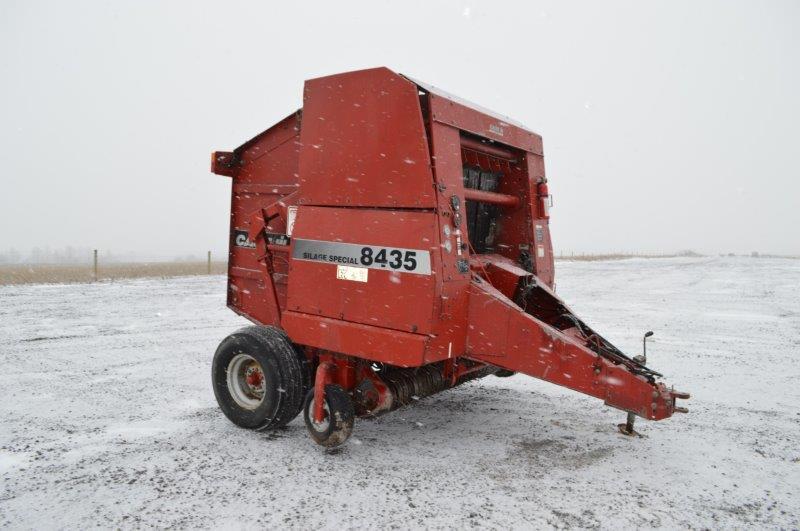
(337, 424)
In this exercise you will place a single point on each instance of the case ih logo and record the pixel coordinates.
(496, 129)
(240, 239)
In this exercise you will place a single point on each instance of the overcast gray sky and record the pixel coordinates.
(666, 125)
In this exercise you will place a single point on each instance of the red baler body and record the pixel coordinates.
(388, 222)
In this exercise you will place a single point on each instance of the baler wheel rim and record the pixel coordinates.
(282, 371)
(320, 427)
(246, 382)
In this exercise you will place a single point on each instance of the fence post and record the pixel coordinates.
(209, 262)
(95, 265)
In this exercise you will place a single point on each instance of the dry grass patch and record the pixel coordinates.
(62, 273)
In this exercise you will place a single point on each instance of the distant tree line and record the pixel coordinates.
(38, 255)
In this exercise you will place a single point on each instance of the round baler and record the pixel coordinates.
(390, 241)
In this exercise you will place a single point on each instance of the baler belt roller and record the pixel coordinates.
(492, 198)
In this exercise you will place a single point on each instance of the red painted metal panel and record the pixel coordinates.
(502, 274)
(502, 334)
(364, 142)
(448, 171)
(450, 308)
(264, 170)
(389, 298)
(458, 115)
(379, 344)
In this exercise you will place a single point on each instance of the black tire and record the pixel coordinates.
(279, 399)
(504, 373)
(307, 375)
(340, 417)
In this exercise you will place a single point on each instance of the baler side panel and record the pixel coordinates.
(385, 297)
(367, 342)
(364, 142)
(266, 171)
(450, 308)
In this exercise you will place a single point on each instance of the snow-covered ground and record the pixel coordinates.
(107, 417)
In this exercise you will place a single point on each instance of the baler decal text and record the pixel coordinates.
(368, 256)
